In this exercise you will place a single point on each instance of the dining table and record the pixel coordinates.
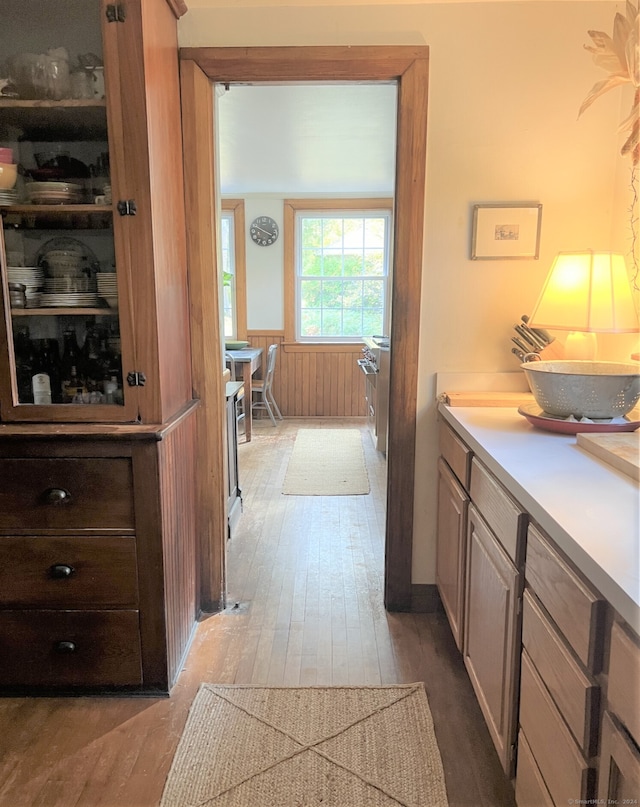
(250, 359)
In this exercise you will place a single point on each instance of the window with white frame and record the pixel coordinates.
(227, 239)
(341, 273)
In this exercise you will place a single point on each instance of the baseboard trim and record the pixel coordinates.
(425, 598)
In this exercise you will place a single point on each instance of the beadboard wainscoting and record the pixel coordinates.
(315, 380)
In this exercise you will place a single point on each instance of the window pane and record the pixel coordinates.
(228, 275)
(372, 321)
(310, 322)
(331, 323)
(310, 294)
(332, 294)
(332, 263)
(354, 234)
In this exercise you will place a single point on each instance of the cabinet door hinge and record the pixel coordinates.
(127, 207)
(136, 379)
(116, 12)
(513, 752)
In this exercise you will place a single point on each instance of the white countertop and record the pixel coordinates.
(590, 510)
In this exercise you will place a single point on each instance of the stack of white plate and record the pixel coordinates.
(108, 287)
(8, 196)
(54, 193)
(70, 300)
(70, 285)
(32, 278)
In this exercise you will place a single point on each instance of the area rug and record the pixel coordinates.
(327, 462)
(305, 747)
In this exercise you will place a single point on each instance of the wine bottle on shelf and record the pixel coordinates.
(92, 368)
(50, 364)
(71, 361)
(24, 352)
(41, 378)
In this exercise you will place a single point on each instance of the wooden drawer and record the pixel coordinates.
(565, 771)
(97, 494)
(70, 648)
(507, 520)
(531, 790)
(576, 694)
(45, 571)
(456, 453)
(623, 694)
(575, 607)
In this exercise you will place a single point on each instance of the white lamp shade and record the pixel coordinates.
(587, 291)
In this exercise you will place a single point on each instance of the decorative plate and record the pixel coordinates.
(539, 418)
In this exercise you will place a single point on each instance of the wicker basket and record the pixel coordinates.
(591, 389)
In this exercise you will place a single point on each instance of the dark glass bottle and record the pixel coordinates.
(71, 360)
(25, 357)
(92, 368)
(50, 364)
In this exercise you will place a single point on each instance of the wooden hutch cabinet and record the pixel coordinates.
(97, 417)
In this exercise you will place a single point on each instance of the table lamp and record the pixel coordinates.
(586, 293)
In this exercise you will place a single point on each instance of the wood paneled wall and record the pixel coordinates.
(315, 380)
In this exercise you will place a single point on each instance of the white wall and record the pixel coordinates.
(506, 82)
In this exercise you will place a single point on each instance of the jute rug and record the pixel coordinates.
(306, 747)
(327, 462)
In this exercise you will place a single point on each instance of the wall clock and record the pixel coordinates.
(264, 231)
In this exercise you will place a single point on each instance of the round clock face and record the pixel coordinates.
(264, 231)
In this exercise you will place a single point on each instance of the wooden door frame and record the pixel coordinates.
(408, 66)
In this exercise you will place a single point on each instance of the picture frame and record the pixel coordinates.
(506, 231)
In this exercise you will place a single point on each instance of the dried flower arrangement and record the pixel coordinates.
(619, 55)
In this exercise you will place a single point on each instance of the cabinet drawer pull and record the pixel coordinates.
(65, 647)
(61, 571)
(57, 496)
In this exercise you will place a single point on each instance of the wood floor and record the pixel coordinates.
(305, 607)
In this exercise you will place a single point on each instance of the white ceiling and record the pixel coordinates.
(307, 139)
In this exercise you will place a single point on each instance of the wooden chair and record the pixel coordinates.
(262, 388)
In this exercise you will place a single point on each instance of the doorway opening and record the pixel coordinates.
(408, 67)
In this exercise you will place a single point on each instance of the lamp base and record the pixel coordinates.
(581, 346)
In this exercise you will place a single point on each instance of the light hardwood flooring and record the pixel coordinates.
(305, 576)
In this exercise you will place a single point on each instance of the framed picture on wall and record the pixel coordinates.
(505, 231)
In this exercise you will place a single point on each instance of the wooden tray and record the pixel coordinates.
(620, 450)
(487, 398)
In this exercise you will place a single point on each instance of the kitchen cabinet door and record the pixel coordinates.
(102, 334)
(492, 631)
(453, 504)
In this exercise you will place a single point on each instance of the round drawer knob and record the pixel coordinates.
(65, 647)
(57, 496)
(61, 571)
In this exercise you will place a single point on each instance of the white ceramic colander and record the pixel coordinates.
(591, 389)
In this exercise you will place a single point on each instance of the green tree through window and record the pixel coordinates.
(342, 272)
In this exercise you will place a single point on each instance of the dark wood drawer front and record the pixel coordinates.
(623, 693)
(70, 648)
(456, 453)
(565, 771)
(66, 494)
(576, 694)
(575, 607)
(506, 519)
(531, 790)
(68, 572)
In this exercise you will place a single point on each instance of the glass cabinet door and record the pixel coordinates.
(64, 296)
